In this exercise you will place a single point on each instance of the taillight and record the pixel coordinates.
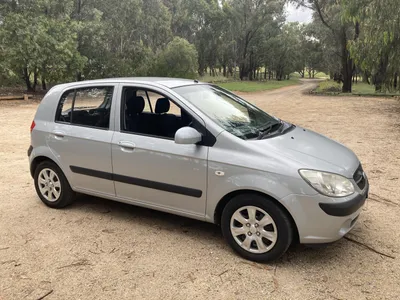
(33, 125)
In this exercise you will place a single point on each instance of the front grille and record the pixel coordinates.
(359, 177)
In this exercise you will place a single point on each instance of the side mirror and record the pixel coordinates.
(187, 136)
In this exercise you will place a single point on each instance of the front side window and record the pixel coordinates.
(86, 107)
(149, 113)
(232, 113)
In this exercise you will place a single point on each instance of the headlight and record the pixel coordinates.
(328, 184)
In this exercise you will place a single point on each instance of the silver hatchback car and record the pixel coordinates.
(196, 150)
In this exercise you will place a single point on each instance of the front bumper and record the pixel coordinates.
(343, 209)
(320, 219)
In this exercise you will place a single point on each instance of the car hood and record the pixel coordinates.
(311, 150)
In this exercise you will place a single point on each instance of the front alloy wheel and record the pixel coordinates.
(256, 227)
(253, 229)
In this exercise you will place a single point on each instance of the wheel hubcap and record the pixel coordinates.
(253, 229)
(49, 185)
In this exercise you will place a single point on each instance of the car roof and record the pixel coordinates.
(164, 81)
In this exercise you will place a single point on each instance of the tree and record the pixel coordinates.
(253, 23)
(179, 59)
(40, 40)
(329, 14)
(377, 51)
(50, 41)
(285, 52)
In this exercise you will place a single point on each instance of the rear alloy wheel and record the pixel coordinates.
(256, 228)
(51, 185)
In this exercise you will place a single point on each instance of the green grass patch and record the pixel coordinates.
(363, 88)
(257, 86)
(331, 87)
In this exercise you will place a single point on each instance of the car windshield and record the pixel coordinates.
(232, 113)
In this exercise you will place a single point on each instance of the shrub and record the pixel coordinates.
(329, 87)
(178, 59)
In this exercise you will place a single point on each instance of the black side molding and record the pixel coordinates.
(345, 208)
(158, 186)
(139, 182)
(93, 173)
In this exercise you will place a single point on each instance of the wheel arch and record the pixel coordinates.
(228, 197)
(39, 159)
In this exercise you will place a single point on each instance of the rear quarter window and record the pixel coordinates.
(89, 106)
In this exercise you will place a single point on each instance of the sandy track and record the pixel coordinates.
(98, 249)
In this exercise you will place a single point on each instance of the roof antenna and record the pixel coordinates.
(196, 81)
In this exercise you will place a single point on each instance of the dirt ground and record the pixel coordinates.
(98, 249)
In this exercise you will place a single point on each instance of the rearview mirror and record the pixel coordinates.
(187, 136)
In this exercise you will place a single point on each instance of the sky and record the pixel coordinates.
(294, 14)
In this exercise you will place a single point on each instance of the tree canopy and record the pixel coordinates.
(49, 41)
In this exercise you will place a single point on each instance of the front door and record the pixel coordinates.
(148, 167)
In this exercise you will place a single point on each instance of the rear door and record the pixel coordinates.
(81, 137)
(150, 169)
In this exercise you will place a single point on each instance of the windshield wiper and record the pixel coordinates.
(267, 130)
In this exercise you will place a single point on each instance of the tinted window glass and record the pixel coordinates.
(87, 107)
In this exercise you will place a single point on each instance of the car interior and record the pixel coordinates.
(157, 121)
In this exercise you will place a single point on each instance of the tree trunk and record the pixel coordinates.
(230, 70)
(365, 77)
(243, 71)
(279, 75)
(395, 81)
(347, 64)
(224, 70)
(35, 80)
(79, 76)
(44, 86)
(26, 77)
(380, 76)
(265, 74)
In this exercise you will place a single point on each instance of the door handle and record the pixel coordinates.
(58, 135)
(126, 146)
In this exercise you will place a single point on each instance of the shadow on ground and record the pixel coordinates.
(204, 232)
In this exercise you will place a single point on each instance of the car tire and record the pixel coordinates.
(52, 186)
(256, 227)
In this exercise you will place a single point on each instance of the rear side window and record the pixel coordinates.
(89, 106)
